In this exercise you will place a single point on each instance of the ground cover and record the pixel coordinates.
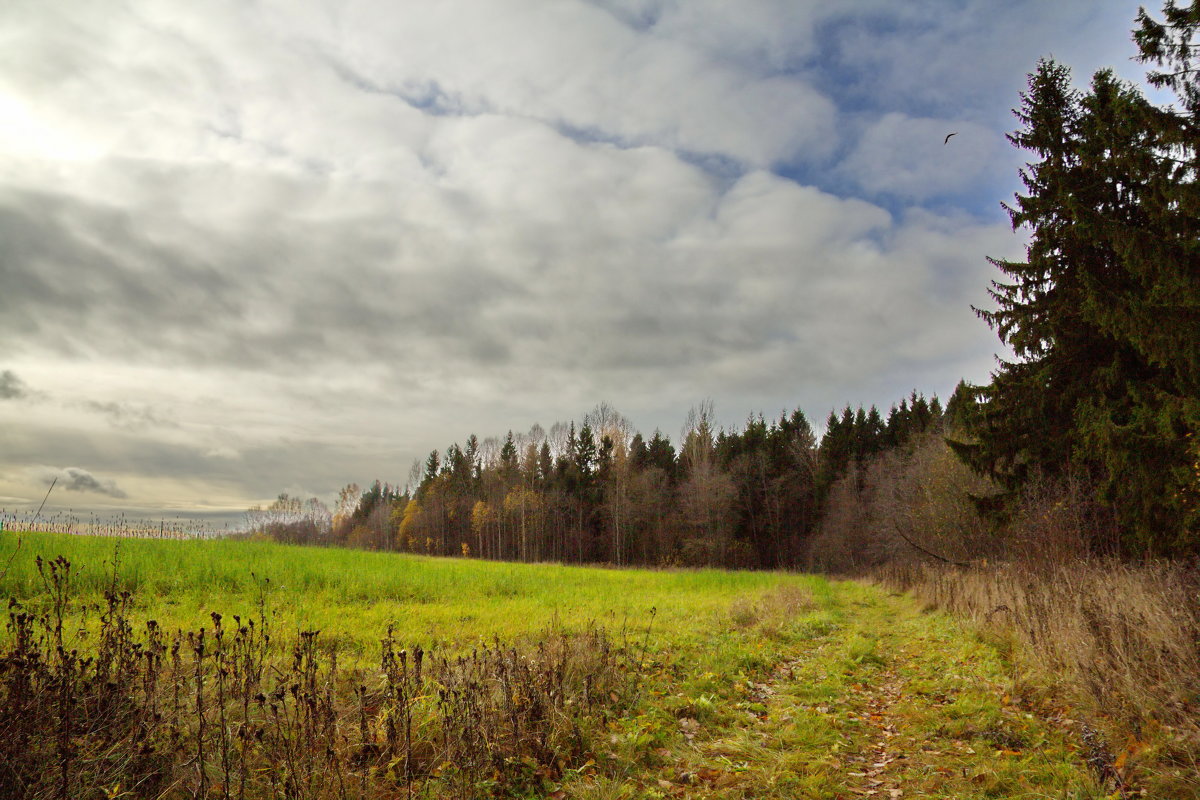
(706, 684)
(354, 595)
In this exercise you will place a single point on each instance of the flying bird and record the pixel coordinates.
(948, 135)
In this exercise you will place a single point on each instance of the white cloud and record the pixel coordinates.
(760, 35)
(572, 65)
(911, 158)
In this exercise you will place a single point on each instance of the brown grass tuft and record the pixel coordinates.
(1122, 639)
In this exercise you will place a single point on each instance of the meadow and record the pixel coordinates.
(495, 680)
(353, 596)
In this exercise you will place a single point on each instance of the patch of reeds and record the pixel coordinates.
(214, 713)
(67, 521)
(1123, 639)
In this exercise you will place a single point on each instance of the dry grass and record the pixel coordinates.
(1122, 640)
(774, 610)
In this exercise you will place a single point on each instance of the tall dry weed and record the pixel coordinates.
(1123, 639)
(220, 713)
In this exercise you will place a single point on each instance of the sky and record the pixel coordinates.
(255, 246)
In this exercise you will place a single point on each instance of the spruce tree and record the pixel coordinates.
(1027, 423)
(1103, 315)
(661, 453)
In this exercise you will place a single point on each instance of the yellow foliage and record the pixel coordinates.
(412, 514)
(531, 500)
(481, 516)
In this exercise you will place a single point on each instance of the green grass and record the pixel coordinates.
(762, 685)
(356, 595)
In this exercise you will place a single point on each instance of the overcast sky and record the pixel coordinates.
(251, 246)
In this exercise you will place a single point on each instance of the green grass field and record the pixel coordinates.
(755, 684)
(355, 595)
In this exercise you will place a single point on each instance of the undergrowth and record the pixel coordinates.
(211, 713)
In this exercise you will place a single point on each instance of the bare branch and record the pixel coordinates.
(927, 552)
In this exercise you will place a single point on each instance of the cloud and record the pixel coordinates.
(582, 69)
(963, 61)
(11, 386)
(763, 36)
(75, 479)
(301, 243)
(130, 416)
(248, 463)
(909, 157)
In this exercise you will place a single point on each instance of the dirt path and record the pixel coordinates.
(883, 702)
(878, 778)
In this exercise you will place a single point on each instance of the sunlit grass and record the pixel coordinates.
(354, 595)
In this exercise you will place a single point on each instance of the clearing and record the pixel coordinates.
(736, 684)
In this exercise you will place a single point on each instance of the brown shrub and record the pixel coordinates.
(903, 505)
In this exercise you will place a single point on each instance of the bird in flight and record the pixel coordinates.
(948, 135)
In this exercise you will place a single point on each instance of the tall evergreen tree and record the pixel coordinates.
(1104, 313)
(661, 453)
(1031, 401)
(508, 458)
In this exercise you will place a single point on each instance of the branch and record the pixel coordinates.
(927, 552)
(4, 574)
(47, 497)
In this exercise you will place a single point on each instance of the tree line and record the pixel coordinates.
(601, 492)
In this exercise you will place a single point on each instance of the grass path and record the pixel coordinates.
(870, 698)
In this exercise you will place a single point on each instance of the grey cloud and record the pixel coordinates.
(79, 277)
(130, 416)
(357, 290)
(257, 468)
(11, 386)
(75, 479)
(271, 303)
(121, 451)
(764, 266)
